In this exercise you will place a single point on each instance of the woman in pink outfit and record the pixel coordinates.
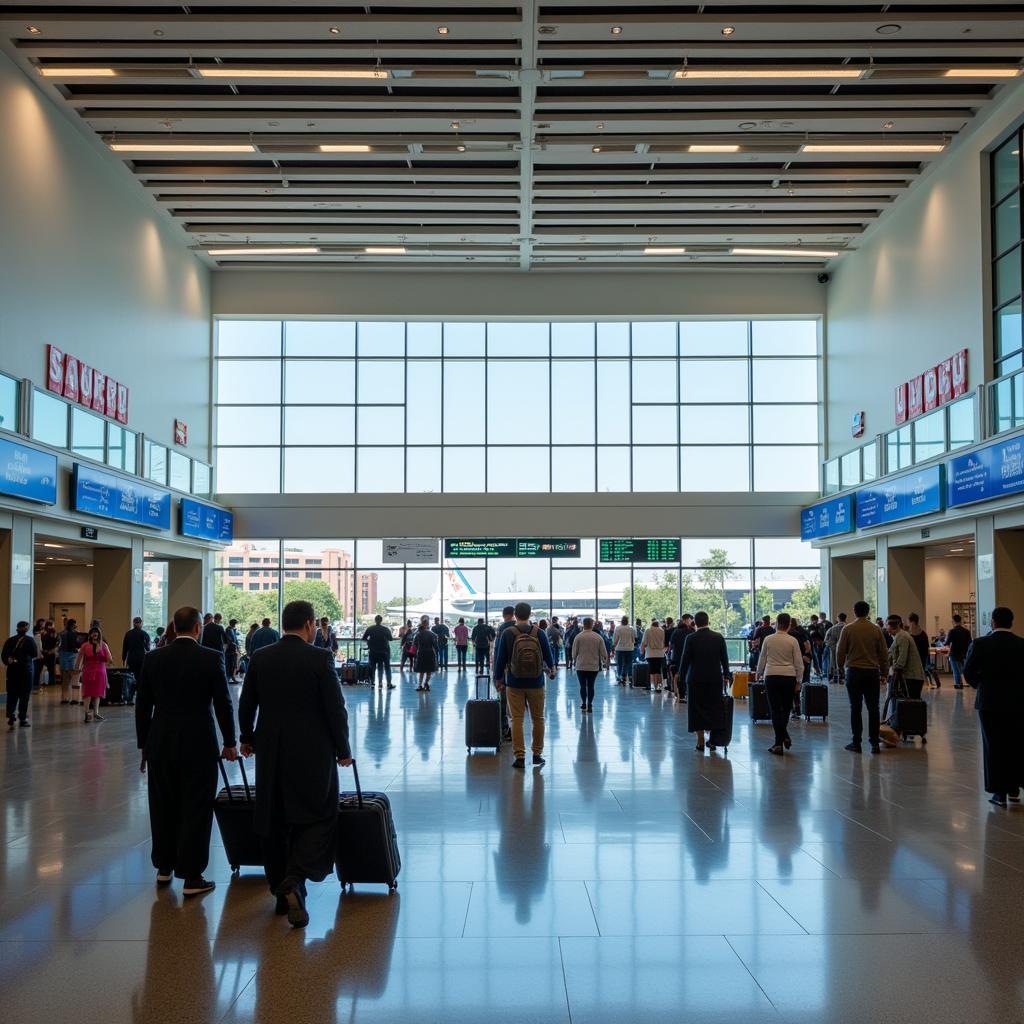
(93, 658)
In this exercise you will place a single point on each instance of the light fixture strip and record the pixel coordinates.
(825, 74)
(181, 147)
(810, 253)
(230, 72)
(873, 147)
(67, 72)
(261, 251)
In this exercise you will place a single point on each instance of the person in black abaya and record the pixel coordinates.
(704, 666)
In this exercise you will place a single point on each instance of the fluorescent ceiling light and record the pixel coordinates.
(664, 250)
(956, 550)
(874, 147)
(228, 72)
(822, 73)
(981, 73)
(182, 147)
(345, 148)
(385, 250)
(714, 148)
(815, 253)
(78, 72)
(252, 250)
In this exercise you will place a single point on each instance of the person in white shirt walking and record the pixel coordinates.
(652, 649)
(781, 666)
(624, 642)
(590, 656)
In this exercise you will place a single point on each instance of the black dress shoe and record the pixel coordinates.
(519, 762)
(198, 886)
(538, 760)
(291, 891)
(876, 748)
(164, 876)
(855, 747)
(998, 799)
(280, 906)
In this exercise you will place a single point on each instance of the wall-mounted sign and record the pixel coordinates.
(512, 547)
(84, 385)
(828, 518)
(403, 551)
(633, 549)
(90, 533)
(936, 386)
(901, 497)
(858, 425)
(990, 472)
(28, 473)
(111, 497)
(205, 522)
(181, 434)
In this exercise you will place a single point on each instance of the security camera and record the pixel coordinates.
(824, 278)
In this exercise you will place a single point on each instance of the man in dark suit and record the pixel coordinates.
(704, 668)
(134, 649)
(993, 666)
(299, 737)
(214, 635)
(178, 685)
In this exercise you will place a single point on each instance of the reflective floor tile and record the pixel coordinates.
(530, 907)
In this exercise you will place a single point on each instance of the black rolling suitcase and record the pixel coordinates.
(759, 709)
(120, 687)
(362, 671)
(483, 719)
(723, 737)
(908, 717)
(641, 675)
(814, 700)
(233, 810)
(367, 841)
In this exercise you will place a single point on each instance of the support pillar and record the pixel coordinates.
(184, 584)
(847, 574)
(117, 587)
(906, 590)
(16, 572)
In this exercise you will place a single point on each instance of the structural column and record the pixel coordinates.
(905, 589)
(184, 584)
(847, 576)
(16, 557)
(117, 586)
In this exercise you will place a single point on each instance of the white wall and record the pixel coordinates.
(539, 294)
(945, 580)
(88, 264)
(916, 290)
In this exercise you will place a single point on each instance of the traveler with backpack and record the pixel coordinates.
(521, 660)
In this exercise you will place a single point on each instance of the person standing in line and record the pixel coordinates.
(780, 664)
(405, 639)
(461, 632)
(522, 656)
(816, 634)
(68, 655)
(325, 638)
(19, 655)
(481, 637)
(556, 636)
(37, 665)
(48, 642)
(134, 648)
(378, 652)
(624, 641)
(265, 636)
(800, 635)
(679, 635)
(158, 638)
(213, 633)
(863, 655)
(292, 715)
(442, 632)
(638, 627)
(993, 667)
(831, 644)
(508, 620)
(652, 649)
(923, 644)
(572, 630)
(232, 650)
(958, 640)
(247, 642)
(181, 688)
(93, 658)
(904, 658)
(705, 667)
(424, 655)
(590, 656)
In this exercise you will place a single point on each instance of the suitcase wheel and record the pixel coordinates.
(923, 741)
(393, 888)
(236, 869)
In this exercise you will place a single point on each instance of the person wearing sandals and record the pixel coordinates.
(589, 656)
(93, 658)
(704, 668)
(780, 664)
(424, 657)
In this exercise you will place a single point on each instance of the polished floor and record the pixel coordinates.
(631, 879)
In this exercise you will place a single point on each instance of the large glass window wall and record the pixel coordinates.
(734, 579)
(419, 407)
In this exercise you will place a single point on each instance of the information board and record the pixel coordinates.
(404, 551)
(111, 497)
(512, 547)
(28, 472)
(987, 473)
(902, 497)
(205, 522)
(638, 549)
(828, 518)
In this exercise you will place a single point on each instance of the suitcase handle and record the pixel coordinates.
(359, 789)
(476, 684)
(227, 785)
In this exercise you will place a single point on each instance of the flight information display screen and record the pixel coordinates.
(512, 547)
(642, 549)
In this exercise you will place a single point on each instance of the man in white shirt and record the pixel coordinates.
(624, 642)
(781, 665)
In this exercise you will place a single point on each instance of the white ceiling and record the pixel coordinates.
(522, 135)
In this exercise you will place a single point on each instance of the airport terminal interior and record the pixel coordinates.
(610, 312)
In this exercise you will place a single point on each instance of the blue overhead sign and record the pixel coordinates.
(111, 497)
(901, 497)
(828, 518)
(27, 472)
(987, 473)
(204, 522)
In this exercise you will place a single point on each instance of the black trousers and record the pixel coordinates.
(483, 659)
(181, 795)
(460, 654)
(19, 692)
(863, 686)
(380, 667)
(1000, 744)
(587, 687)
(780, 699)
(300, 850)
